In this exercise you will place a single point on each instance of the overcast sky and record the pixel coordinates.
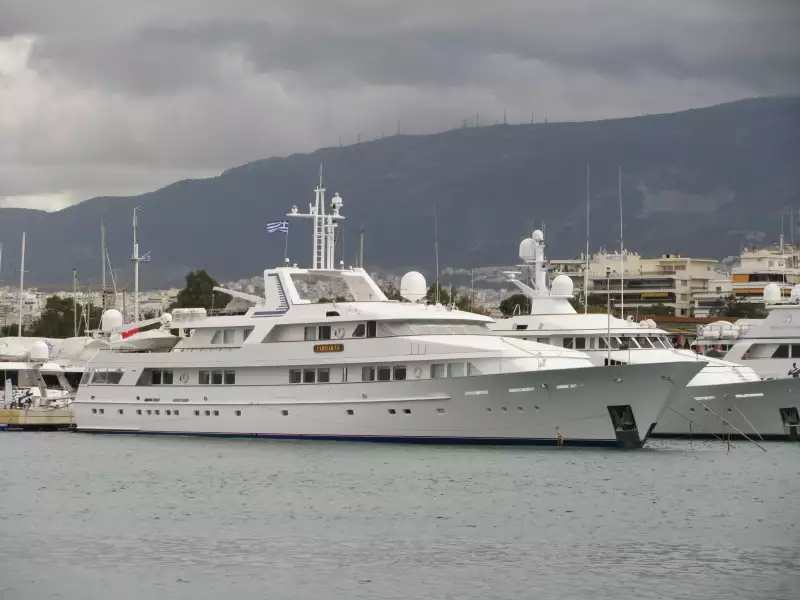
(107, 97)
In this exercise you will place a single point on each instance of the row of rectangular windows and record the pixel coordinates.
(314, 333)
(382, 373)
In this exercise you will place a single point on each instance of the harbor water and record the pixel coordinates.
(88, 517)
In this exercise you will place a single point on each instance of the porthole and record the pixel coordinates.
(120, 411)
(488, 409)
(216, 413)
(197, 413)
(440, 411)
(149, 412)
(175, 412)
(285, 413)
(519, 408)
(392, 411)
(350, 411)
(407, 411)
(94, 411)
(169, 412)
(504, 409)
(158, 412)
(208, 413)
(535, 408)
(138, 411)
(691, 409)
(238, 413)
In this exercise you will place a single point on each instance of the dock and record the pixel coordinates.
(39, 418)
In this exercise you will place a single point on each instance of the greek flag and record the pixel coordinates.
(145, 258)
(278, 226)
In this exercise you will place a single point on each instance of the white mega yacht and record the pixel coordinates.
(724, 398)
(769, 346)
(367, 369)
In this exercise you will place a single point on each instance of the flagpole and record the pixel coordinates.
(286, 247)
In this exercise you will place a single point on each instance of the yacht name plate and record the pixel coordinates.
(328, 347)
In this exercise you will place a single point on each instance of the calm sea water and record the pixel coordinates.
(90, 516)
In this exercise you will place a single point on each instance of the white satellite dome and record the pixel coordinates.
(772, 293)
(562, 286)
(111, 319)
(650, 323)
(413, 287)
(796, 294)
(166, 319)
(538, 236)
(39, 352)
(527, 249)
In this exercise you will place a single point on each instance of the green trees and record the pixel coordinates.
(732, 307)
(199, 293)
(515, 304)
(58, 320)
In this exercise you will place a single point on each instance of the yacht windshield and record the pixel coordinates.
(421, 328)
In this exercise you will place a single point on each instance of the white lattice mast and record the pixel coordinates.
(324, 227)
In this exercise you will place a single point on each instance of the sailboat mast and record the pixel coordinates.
(586, 267)
(21, 284)
(436, 249)
(103, 251)
(74, 302)
(621, 249)
(135, 259)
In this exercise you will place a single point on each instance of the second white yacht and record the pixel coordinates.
(368, 369)
(724, 398)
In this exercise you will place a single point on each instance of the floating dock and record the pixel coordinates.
(36, 418)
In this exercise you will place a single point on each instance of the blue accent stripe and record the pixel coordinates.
(270, 313)
(473, 441)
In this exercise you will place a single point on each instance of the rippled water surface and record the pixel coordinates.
(123, 517)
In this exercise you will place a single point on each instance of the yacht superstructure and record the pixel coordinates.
(367, 369)
(724, 398)
(769, 346)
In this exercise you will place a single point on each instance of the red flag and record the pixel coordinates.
(129, 333)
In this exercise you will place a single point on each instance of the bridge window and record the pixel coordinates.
(580, 343)
(205, 377)
(384, 373)
(360, 330)
(372, 329)
(230, 377)
(569, 342)
(782, 351)
(295, 376)
(323, 375)
(438, 371)
(324, 332)
(309, 375)
(368, 374)
(457, 370)
(399, 373)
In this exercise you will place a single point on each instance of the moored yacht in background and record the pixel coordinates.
(724, 398)
(367, 369)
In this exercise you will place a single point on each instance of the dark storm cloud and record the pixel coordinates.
(197, 85)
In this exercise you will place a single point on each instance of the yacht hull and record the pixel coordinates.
(758, 409)
(579, 406)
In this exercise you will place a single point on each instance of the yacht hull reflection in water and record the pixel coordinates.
(367, 368)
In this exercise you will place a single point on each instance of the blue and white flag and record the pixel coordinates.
(145, 258)
(278, 227)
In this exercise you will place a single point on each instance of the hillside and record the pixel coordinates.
(698, 182)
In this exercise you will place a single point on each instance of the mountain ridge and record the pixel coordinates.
(699, 182)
